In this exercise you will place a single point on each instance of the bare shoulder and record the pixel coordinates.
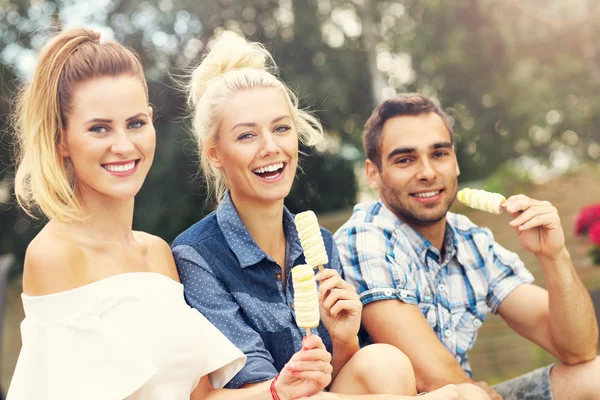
(160, 253)
(53, 263)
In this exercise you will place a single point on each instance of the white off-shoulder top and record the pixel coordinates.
(130, 336)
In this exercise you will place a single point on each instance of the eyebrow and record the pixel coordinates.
(252, 124)
(107, 121)
(408, 150)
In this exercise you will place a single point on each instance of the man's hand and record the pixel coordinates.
(487, 389)
(538, 225)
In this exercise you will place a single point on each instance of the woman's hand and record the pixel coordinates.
(308, 371)
(341, 308)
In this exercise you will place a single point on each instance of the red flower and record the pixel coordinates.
(586, 218)
(594, 233)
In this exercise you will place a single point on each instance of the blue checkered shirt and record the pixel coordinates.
(386, 259)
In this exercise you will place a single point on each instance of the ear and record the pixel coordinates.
(150, 112)
(213, 158)
(373, 175)
(456, 161)
(62, 146)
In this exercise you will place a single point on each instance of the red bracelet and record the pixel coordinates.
(274, 394)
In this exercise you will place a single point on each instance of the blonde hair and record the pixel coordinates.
(43, 180)
(233, 65)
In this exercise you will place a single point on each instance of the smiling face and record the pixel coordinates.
(418, 177)
(257, 146)
(109, 138)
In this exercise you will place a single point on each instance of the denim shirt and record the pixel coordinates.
(238, 287)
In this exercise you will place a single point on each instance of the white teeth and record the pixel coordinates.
(120, 168)
(269, 168)
(426, 194)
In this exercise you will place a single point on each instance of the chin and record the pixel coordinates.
(430, 217)
(274, 195)
(123, 193)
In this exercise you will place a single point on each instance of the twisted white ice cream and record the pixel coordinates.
(481, 200)
(311, 239)
(306, 301)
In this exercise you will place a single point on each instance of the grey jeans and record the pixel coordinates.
(534, 385)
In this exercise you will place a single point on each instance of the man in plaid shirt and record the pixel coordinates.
(428, 277)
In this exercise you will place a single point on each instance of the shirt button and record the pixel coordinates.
(441, 287)
(458, 359)
(387, 292)
(476, 322)
(292, 305)
(278, 277)
(447, 333)
(403, 295)
(427, 297)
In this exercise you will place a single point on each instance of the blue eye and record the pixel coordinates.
(98, 129)
(136, 124)
(245, 136)
(282, 128)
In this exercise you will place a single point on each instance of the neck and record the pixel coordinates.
(433, 232)
(110, 220)
(264, 222)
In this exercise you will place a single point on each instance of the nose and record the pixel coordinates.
(269, 145)
(122, 143)
(427, 171)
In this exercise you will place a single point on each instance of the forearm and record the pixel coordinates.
(258, 391)
(438, 374)
(434, 366)
(572, 321)
(342, 352)
(376, 397)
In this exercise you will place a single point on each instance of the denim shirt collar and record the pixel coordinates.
(422, 245)
(243, 245)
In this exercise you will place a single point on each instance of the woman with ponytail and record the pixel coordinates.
(105, 312)
(235, 263)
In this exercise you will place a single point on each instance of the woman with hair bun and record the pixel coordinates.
(235, 263)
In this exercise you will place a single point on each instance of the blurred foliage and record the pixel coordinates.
(508, 179)
(519, 80)
(324, 183)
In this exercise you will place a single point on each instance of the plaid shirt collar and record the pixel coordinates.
(243, 245)
(421, 245)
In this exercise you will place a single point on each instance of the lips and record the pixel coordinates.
(271, 171)
(427, 195)
(121, 168)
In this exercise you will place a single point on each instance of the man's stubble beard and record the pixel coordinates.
(405, 213)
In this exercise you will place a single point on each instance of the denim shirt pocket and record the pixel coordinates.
(280, 345)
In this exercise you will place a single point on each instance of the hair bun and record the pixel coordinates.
(230, 52)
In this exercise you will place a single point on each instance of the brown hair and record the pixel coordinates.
(399, 105)
(42, 180)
